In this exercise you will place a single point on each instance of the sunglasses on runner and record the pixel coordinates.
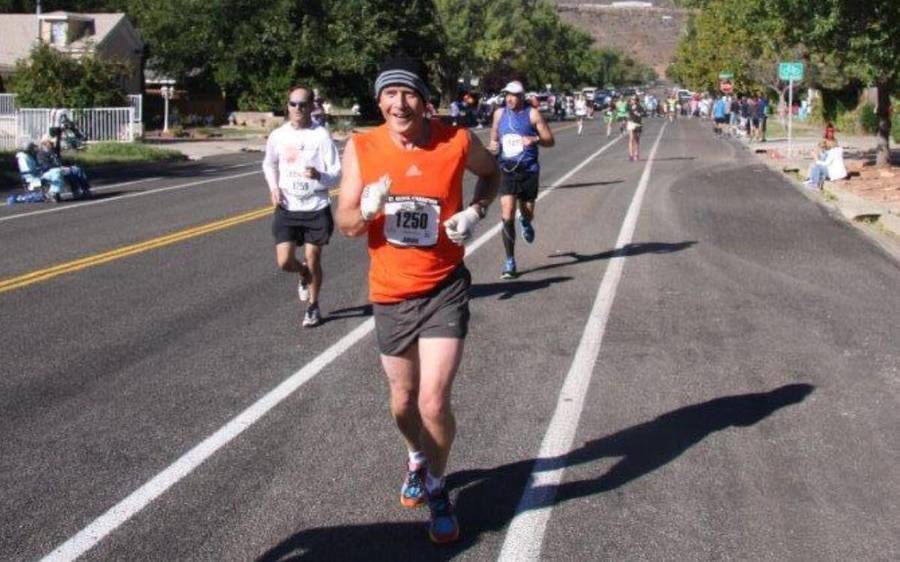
(299, 104)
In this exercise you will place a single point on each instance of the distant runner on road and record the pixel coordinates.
(517, 131)
(402, 186)
(635, 119)
(301, 165)
(622, 114)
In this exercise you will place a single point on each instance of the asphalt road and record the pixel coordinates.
(741, 401)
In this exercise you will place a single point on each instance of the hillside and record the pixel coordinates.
(648, 34)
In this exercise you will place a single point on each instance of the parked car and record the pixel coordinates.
(683, 94)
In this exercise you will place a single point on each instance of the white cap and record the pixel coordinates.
(514, 87)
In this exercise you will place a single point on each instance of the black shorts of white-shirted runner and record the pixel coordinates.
(441, 313)
(524, 185)
(302, 227)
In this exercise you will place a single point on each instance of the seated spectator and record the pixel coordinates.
(828, 166)
(49, 162)
(32, 174)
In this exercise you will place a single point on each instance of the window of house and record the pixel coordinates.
(58, 33)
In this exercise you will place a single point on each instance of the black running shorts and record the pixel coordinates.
(442, 313)
(524, 185)
(302, 227)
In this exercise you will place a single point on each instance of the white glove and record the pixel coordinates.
(374, 196)
(460, 226)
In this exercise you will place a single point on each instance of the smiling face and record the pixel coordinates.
(403, 110)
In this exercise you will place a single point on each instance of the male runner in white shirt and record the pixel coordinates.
(301, 165)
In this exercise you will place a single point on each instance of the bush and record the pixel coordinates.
(868, 120)
(847, 122)
(48, 78)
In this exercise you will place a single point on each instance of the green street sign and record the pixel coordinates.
(726, 75)
(790, 71)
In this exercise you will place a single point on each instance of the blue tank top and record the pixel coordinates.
(518, 123)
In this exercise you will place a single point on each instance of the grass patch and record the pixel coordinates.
(829, 196)
(94, 155)
(774, 129)
(119, 153)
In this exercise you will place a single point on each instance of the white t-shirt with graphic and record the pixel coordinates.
(289, 151)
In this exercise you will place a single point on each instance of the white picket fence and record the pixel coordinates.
(137, 102)
(99, 124)
(7, 104)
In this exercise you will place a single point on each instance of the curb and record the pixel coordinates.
(853, 208)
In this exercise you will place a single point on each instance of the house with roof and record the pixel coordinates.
(109, 36)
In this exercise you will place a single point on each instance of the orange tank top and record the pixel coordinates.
(409, 250)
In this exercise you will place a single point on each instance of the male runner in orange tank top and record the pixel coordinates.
(402, 186)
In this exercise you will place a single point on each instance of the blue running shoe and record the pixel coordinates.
(412, 494)
(443, 527)
(527, 229)
(509, 269)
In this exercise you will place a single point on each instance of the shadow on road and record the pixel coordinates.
(629, 250)
(588, 184)
(360, 311)
(488, 498)
(508, 289)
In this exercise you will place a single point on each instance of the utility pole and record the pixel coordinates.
(37, 19)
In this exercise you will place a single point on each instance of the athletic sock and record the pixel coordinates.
(416, 458)
(509, 237)
(433, 483)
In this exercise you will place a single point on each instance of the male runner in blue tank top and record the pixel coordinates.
(517, 131)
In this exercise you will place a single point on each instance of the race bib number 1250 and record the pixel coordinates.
(411, 221)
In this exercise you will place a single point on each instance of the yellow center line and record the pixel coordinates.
(118, 253)
(130, 250)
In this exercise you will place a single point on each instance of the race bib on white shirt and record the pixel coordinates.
(411, 221)
(513, 145)
(296, 184)
(293, 180)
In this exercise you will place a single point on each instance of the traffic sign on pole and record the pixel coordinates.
(790, 71)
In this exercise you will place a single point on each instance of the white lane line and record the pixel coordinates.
(127, 196)
(545, 192)
(98, 529)
(525, 535)
(109, 186)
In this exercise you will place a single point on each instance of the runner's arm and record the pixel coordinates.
(270, 163)
(348, 217)
(545, 135)
(493, 146)
(481, 163)
(331, 161)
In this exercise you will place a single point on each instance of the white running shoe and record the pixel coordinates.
(312, 317)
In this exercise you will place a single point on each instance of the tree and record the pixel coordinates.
(863, 36)
(48, 78)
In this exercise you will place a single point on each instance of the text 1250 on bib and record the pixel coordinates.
(411, 221)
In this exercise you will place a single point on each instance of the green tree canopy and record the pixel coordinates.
(862, 37)
(48, 78)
